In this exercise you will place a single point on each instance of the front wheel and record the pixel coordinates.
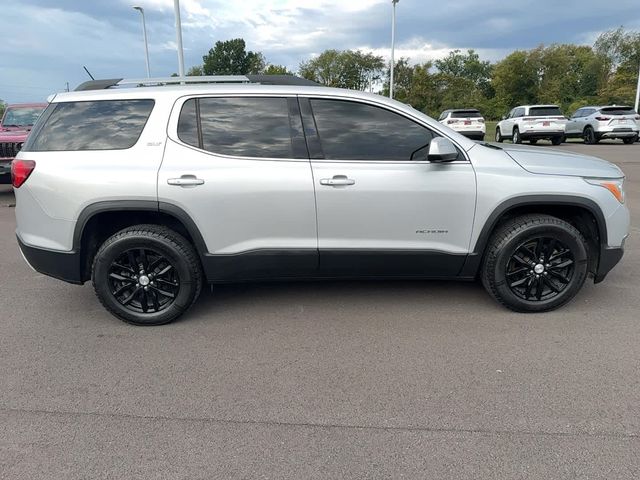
(147, 275)
(499, 137)
(535, 263)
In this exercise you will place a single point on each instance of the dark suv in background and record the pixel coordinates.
(14, 128)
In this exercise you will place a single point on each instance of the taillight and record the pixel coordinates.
(20, 171)
(603, 119)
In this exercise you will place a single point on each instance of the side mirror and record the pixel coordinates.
(442, 149)
(504, 117)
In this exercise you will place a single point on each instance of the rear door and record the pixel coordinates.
(383, 209)
(238, 166)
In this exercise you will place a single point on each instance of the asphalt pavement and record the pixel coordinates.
(323, 380)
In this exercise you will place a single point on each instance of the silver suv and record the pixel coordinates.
(596, 123)
(532, 123)
(150, 192)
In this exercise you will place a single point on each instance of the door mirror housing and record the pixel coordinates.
(504, 117)
(441, 149)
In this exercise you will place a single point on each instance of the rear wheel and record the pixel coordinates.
(516, 138)
(557, 140)
(535, 263)
(589, 136)
(630, 140)
(499, 137)
(147, 275)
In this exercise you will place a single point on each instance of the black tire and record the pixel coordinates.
(630, 140)
(166, 283)
(499, 137)
(533, 141)
(557, 140)
(589, 136)
(516, 138)
(521, 283)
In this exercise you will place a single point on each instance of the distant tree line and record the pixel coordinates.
(568, 75)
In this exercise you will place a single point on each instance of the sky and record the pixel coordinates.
(45, 43)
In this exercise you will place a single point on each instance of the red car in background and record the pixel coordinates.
(14, 128)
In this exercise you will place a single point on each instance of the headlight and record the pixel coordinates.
(616, 187)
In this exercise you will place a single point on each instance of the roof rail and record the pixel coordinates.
(149, 82)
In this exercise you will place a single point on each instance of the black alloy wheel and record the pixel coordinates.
(540, 269)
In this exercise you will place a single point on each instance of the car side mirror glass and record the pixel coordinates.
(441, 149)
(504, 117)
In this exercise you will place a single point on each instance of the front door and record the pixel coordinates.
(383, 209)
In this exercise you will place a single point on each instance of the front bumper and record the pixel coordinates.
(609, 258)
(61, 265)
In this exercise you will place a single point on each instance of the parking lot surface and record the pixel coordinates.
(323, 380)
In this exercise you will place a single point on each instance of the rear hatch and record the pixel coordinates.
(466, 120)
(545, 118)
(620, 118)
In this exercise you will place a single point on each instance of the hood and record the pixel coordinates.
(14, 136)
(548, 161)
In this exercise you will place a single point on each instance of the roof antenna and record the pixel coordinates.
(88, 72)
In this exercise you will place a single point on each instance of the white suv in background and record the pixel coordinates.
(595, 123)
(467, 121)
(532, 123)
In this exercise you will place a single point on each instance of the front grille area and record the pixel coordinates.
(9, 149)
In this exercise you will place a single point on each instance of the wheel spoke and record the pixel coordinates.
(521, 260)
(539, 247)
(527, 292)
(520, 270)
(540, 288)
(155, 263)
(520, 282)
(559, 276)
(120, 278)
(558, 255)
(550, 284)
(164, 293)
(143, 259)
(144, 300)
(559, 266)
(550, 248)
(121, 266)
(154, 299)
(166, 282)
(127, 300)
(527, 251)
(164, 271)
(132, 261)
(123, 288)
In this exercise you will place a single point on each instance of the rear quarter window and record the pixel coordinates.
(92, 125)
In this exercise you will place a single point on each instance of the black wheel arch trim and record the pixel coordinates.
(138, 205)
(472, 265)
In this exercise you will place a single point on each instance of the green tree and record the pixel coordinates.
(277, 70)
(469, 67)
(620, 53)
(344, 69)
(195, 71)
(2, 107)
(231, 58)
(516, 79)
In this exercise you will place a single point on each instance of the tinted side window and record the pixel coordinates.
(356, 131)
(239, 126)
(518, 112)
(579, 113)
(96, 125)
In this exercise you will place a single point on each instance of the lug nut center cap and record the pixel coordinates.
(539, 268)
(144, 280)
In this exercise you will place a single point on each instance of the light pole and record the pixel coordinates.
(146, 44)
(393, 45)
(638, 93)
(176, 8)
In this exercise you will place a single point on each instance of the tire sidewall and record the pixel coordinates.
(569, 239)
(517, 139)
(113, 250)
(498, 135)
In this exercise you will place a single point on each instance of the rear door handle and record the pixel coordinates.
(337, 181)
(185, 181)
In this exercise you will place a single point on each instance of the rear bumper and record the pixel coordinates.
(61, 265)
(609, 258)
(541, 134)
(618, 133)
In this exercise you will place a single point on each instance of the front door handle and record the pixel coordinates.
(337, 181)
(185, 181)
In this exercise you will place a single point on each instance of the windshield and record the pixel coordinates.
(22, 116)
(466, 114)
(544, 112)
(618, 111)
